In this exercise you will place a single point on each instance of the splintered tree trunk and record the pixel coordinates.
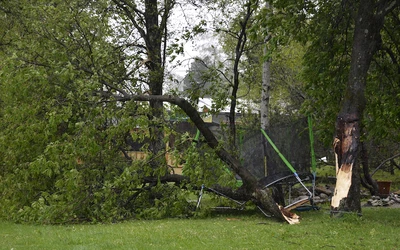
(347, 191)
(368, 23)
(265, 201)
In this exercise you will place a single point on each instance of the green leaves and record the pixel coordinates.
(57, 155)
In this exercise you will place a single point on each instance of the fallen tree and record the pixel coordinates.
(251, 189)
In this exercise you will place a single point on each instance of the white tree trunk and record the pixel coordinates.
(265, 96)
(265, 93)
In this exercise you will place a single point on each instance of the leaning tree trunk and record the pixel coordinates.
(262, 197)
(369, 21)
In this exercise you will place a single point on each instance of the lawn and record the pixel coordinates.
(378, 228)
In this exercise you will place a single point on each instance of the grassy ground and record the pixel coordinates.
(378, 228)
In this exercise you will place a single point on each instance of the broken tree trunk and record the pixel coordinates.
(265, 202)
(368, 23)
(347, 180)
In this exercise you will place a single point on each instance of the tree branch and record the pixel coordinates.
(388, 159)
(123, 6)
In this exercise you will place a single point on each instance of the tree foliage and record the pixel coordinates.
(70, 116)
(64, 143)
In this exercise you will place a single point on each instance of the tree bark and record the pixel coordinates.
(153, 40)
(369, 21)
(265, 94)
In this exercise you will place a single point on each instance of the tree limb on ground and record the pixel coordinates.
(262, 197)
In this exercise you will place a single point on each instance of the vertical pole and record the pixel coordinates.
(313, 161)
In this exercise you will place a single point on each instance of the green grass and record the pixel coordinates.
(377, 229)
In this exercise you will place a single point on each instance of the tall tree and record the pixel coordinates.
(234, 35)
(369, 22)
(266, 86)
(335, 83)
(150, 19)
